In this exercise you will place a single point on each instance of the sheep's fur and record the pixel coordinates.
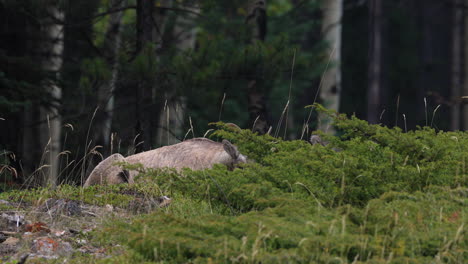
(107, 172)
(196, 154)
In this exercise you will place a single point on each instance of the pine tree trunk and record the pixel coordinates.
(160, 29)
(465, 81)
(50, 130)
(144, 97)
(456, 81)
(256, 21)
(171, 118)
(331, 84)
(375, 54)
(144, 23)
(42, 120)
(455, 87)
(31, 144)
(105, 113)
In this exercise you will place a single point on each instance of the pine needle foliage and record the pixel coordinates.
(372, 195)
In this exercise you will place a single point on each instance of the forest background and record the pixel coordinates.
(80, 80)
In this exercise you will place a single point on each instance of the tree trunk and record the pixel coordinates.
(42, 121)
(460, 16)
(331, 84)
(258, 114)
(51, 126)
(375, 54)
(171, 119)
(160, 23)
(465, 81)
(32, 149)
(144, 97)
(455, 87)
(144, 23)
(105, 93)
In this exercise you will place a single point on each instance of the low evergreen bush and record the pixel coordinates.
(373, 194)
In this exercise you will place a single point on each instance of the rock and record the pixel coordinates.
(8, 233)
(11, 241)
(11, 221)
(57, 207)
(58, 233)
(9, 246)
(28, 235)
(15, 218)
(36, 227)
(5, 234)
(148, 204)
(109, 208)
(46, 246)
(4, 202)
(97, 252)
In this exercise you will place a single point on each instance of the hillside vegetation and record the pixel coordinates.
(372, 195)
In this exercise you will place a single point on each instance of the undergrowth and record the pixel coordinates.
(373, 194)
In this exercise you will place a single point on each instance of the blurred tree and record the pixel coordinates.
(465, 69)
(183, 33)
(331, 83)
(144, 129)
(19, 85)
(40, 145)
(105, 93)
(375, 62)
(256, 20)
(355, 58)
(456, 78)
(159, 57)
(52, 52)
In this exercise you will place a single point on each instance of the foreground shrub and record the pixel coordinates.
(372, 195)
(398, 227)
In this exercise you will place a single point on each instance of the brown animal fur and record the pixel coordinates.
(196, 154)
(107, 172)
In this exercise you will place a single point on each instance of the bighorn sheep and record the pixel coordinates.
(196, 154)
(107, 172)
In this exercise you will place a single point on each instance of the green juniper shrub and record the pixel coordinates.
(96, 195)
(372, 195)
(367, 165)
(405, 227)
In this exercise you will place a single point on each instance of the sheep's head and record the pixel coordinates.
(232, 150)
